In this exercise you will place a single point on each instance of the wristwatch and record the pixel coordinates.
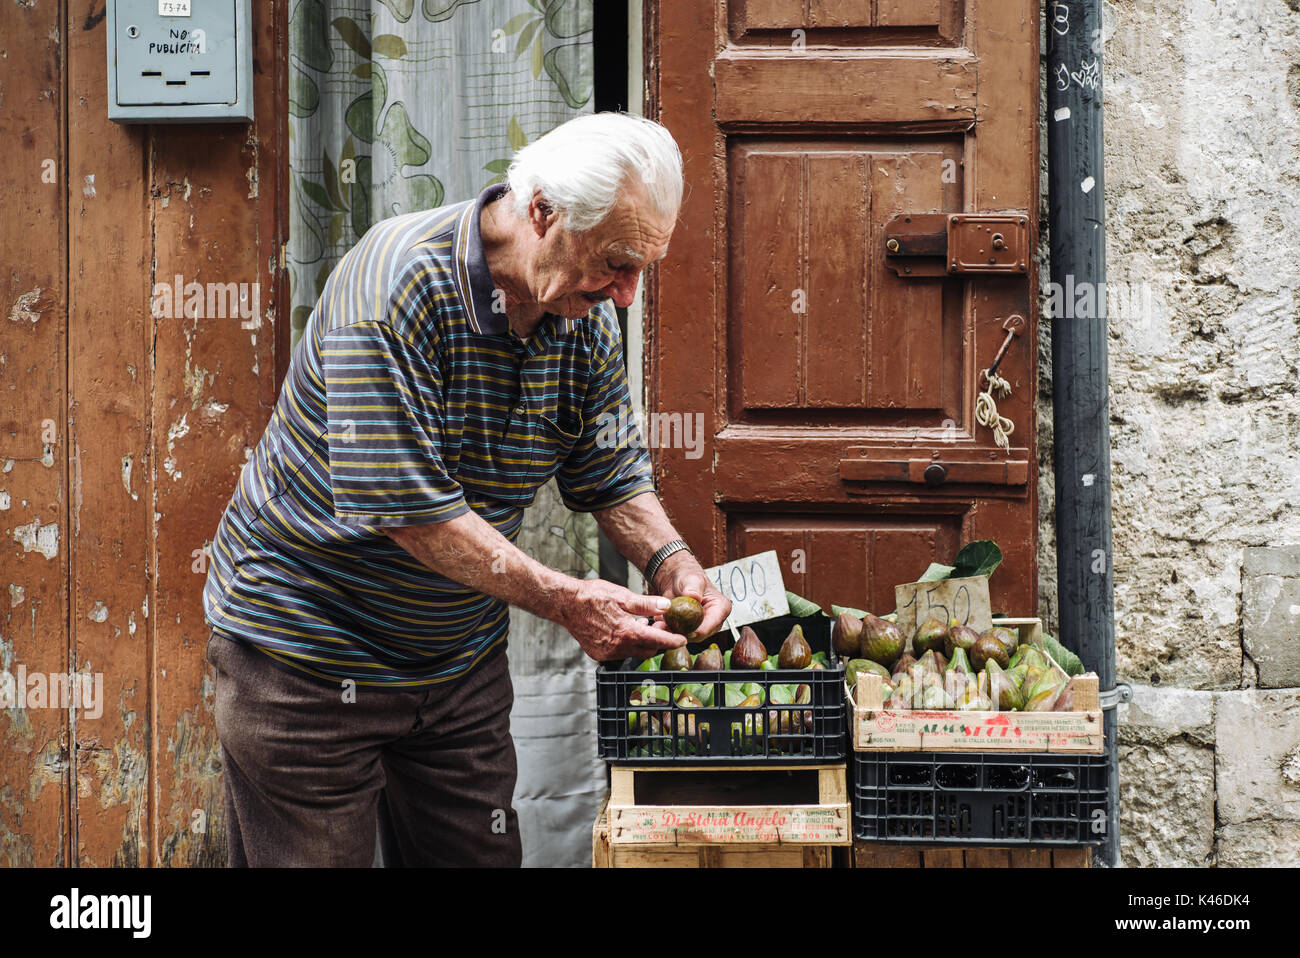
(657, 560)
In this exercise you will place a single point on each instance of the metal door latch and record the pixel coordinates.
(1109, 699)
(943, 244)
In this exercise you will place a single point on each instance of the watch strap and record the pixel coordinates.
(662, 553)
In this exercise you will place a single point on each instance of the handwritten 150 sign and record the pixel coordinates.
(754, 585)
(966, 600)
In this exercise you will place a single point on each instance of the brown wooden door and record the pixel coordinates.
(826, 380)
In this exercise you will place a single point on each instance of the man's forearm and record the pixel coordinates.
(469, 551)
(637, 528)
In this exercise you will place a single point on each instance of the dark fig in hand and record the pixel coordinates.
(684, 615)
(795, 653)
(748, 652)
(846, 635)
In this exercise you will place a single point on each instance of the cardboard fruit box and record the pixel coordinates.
(873, 727)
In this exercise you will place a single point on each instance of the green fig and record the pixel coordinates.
(959, 663)
(972, 699)
(933, 697)
(710, 660)
(882, 641)
(1042, 695)
(960, 637)
(749, 652)
(901, 697)
(676, 660)
(932, 661)
(795, 653)
(1023, 674)
(684, 615)
(846, 635)
(988, 647)
(858, 666)
(930, 634)
(1003, 690)
(1029, 656)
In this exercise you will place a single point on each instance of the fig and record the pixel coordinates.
(930, 634)
(959, 663)
(846, 635)
(748, 652)
(676, 660)
(932, 661)
(1010, 641)
(858, 666)
(903, 666)
(1003, 690)
(988, 647)
(684, 615)
(710, 660)
(882, 641)
(960, 637)
(795, 653)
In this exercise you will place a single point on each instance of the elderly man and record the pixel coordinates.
(457, 359)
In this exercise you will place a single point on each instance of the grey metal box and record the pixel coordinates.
(177, 61)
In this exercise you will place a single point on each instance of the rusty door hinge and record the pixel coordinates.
(943, 244)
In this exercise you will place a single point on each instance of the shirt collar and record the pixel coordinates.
(474, 281)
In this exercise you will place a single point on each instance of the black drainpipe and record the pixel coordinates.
(1080, 385)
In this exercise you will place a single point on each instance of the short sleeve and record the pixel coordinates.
(384, 400)
(609, 464)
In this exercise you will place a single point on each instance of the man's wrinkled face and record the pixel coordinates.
(574, 271)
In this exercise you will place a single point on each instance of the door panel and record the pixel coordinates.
(835, 391)
(805, 221)
(846, 559)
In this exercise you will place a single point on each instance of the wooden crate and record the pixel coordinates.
(741, 805)
(606, 854)
(873, 728)
(878, 855)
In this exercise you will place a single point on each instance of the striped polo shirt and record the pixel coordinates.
(410, 401)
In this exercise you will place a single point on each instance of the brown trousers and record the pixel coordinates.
(311, 778)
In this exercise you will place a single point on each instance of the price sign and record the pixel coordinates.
(754, 585)
(966, 600)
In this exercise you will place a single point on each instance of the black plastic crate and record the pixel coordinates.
(664, 733)
(975, 798)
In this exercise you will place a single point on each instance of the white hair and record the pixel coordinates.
(582, 166)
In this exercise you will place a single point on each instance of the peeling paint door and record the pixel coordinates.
(828, 383)
(122, 431)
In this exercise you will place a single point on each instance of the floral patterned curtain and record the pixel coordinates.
(401, 105)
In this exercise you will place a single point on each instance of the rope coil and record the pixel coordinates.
(986, 409)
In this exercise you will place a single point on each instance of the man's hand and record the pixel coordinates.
(609, 622)
(682, 574)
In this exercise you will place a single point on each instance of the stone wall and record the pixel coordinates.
(1202, 115)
